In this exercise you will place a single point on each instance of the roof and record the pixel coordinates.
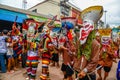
(22, 11)
(70, 4)
(38, 4)
(74, 6)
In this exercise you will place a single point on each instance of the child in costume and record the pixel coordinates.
(32, 61)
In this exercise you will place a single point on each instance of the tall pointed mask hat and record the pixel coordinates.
(90, 16)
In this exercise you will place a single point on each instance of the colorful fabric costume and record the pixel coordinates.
(46, 58)
(30, 28)
(65, 45)
(32, 63)
(89, 46)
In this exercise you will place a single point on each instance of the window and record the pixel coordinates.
(65, 9)
(35, 10)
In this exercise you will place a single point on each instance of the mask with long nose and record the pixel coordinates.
(88, 26)
(90, 16)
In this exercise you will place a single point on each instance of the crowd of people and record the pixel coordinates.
(12, 53)
(82, 52)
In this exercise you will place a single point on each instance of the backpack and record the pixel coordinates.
(118, 71)
(3, 45)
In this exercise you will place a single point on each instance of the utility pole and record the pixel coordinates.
(105, 18)
(24, 4)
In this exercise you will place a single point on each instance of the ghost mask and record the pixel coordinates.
(88, 26)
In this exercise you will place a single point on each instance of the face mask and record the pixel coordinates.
(85, 31)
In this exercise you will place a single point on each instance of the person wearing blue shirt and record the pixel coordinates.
(3, 50)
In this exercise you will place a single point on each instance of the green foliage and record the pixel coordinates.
(86, 48)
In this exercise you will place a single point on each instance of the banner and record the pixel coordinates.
(38, 18)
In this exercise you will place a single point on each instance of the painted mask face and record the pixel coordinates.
(88, 26)
(31, 28)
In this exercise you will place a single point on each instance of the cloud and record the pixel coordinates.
(111, 6)
(13, 3)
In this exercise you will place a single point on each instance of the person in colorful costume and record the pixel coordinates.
(89, 46)
(30, 28)
(46, 47)
(107, 57)
(32, 61)
(17, 49)
(66, 47)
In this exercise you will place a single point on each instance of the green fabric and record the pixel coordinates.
(104, 55)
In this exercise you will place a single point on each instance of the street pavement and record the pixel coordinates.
(55, 73)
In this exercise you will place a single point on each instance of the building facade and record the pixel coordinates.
(60, 8)
(9, 14)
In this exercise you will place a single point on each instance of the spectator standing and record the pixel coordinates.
(9, 55)
(3, 50)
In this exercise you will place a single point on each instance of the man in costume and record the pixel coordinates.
(89, 46)
(32, 60)
(67, 47)
(46, 47)
(30, 28)
(107, 57)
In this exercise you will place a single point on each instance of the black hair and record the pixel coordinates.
(5, 31)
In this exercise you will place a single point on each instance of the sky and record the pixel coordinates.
(111, 6)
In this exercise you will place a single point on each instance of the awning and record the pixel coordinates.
(11, 15)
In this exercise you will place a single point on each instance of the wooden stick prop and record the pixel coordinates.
(15, 31)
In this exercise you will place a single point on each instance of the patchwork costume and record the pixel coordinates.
(46, 57)
(30, 28)
(32, 63)
(89, 47)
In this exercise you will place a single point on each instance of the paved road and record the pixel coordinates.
(55, 74)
